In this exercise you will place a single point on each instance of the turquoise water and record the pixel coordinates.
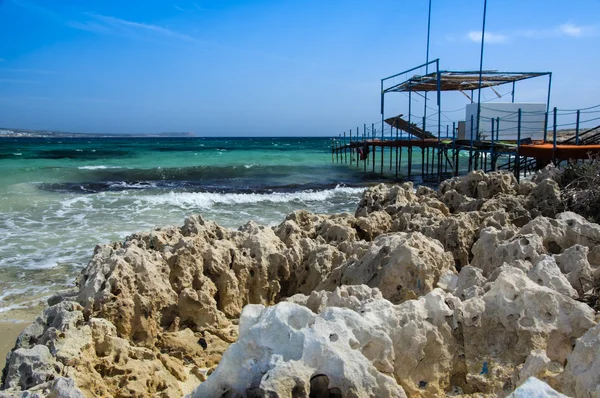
(61, 197)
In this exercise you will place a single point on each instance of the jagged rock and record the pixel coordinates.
(480, 185)
(388, 198)
(549, 172)
(496, 247)
(470, 283)
(401, 265)
(29, 367)
(516, 312)
(573, 262)
(581, 377)
(535, 388)
(545, 199)
(285, 348)
(545, 272)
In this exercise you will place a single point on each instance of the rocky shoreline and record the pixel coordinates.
(470, 289)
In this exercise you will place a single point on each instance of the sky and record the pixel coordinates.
(272, 68)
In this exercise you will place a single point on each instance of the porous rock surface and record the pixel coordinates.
(469, 289)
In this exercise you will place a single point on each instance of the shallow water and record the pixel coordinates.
(59, 198)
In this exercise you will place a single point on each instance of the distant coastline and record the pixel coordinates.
(25, 133)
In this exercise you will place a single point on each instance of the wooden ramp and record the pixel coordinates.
(410, 128)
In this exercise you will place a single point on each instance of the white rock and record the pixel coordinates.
(535, 388)
(581, 377)
(545, 272)
(281, 348)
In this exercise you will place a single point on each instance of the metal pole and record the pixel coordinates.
(382, 147)
(373, 140)
(471, 147)
(345, 152)
(518, 156)
(427, 62)
(365, 147)
(439, 104)
(493, 154)
(382, 121)
(397, 144)
(481, 67)
(545, 126)
(357, 147)
(513, 93)
(391, 138)
(577, 128)
(456, 157)
(554, 139)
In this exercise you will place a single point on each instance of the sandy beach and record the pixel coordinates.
(9, 331)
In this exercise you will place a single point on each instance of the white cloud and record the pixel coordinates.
(490, 37)
(572, 30)
(108, 24)
(568, 29)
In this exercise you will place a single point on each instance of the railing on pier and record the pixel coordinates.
(514, 141)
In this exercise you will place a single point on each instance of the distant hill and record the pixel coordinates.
(15, 132)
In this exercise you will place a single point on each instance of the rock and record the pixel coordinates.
(388, 198)
(545, 272)
(573, 262)
(535, 388)
(581, 377)
(29, 367)
(287, 350)
(470, 283)
(480, 185)
(401, 265)
(545, 199)
(516, 312)
(549, 172)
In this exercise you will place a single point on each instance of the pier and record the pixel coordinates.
(517, 137)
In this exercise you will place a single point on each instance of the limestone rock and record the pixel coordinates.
(545, 272)
(401, 265)
(535, 388)
(480, 185)
(287, 350)
(29, 367)
(581, 377)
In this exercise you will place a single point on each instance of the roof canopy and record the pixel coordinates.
(460, 80)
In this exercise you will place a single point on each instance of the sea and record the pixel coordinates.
(60, 197)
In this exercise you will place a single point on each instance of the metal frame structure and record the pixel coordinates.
(446, 80)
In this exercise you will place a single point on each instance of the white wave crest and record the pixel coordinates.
(206, 200)
(100, 167)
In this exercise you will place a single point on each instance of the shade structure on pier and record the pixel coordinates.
(460, 80)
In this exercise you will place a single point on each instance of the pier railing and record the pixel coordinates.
(521, 142)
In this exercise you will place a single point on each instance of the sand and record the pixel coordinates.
(9, 331)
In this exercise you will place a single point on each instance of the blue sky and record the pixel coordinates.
(270, 67)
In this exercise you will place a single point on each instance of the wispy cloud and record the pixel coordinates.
(180, 8)
(568, 29)
(2, 59)
(490, 37)
(17, 81)
(106, 24)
